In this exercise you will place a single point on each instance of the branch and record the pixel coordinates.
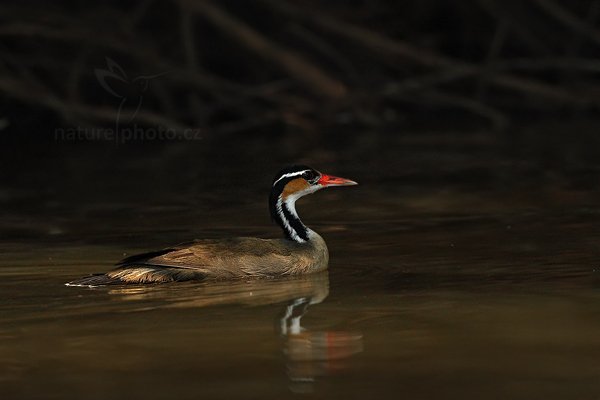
(19, 91)
(381, 43)
(291, 62)
(569, 20)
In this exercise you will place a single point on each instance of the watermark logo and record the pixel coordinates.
(130, 92)
(132, 133)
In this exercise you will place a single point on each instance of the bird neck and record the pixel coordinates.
(284, 213)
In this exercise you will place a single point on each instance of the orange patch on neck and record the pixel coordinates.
(294, 186)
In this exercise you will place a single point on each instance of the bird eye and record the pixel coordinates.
(310, 176)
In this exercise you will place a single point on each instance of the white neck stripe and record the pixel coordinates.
(289, 174)
(288, 227)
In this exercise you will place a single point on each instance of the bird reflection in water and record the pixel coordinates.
(313, 353)
(308, 353)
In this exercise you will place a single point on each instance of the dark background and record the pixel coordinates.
(465, 261)
(444, 106)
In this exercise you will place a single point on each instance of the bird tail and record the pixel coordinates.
(94, 281)
(135, 274)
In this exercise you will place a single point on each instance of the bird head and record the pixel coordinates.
(289, 185)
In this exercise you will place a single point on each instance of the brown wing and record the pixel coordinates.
(227, 258)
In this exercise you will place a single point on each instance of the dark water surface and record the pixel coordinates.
(451, 307)
(465, 290)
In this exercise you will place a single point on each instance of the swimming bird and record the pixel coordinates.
(300, 251)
